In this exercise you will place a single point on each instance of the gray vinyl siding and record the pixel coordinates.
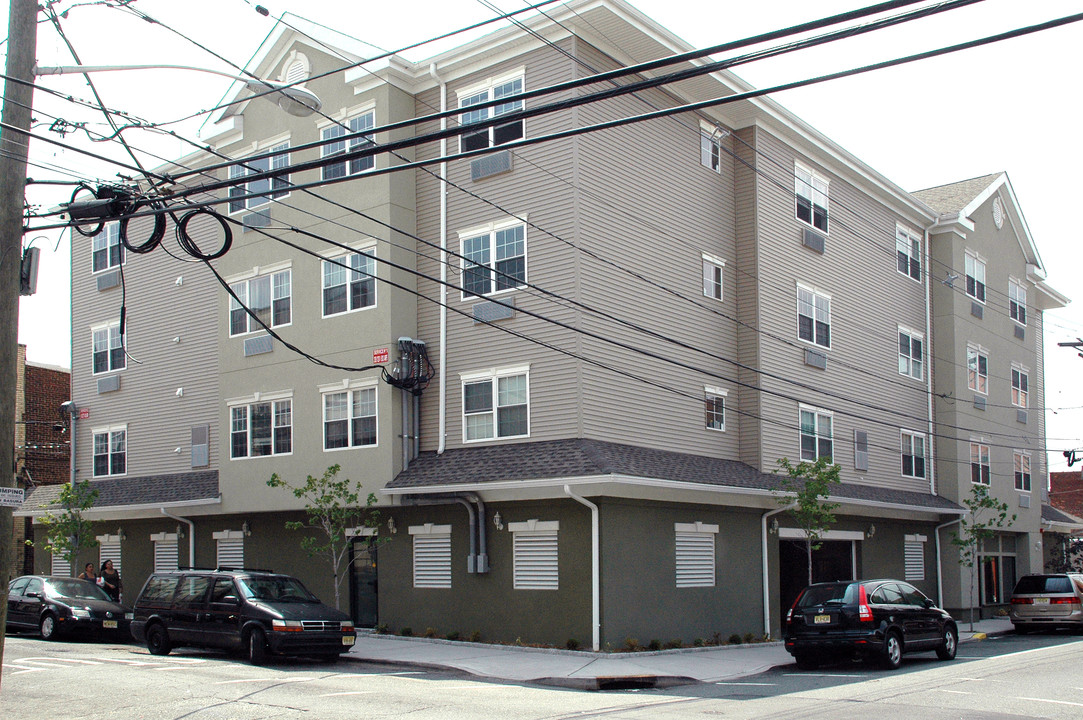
(749, 347)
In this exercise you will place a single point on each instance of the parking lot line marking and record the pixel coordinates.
(170, 667)
(1055, 702)
(22, 670)
(59, 659)
(267, 680)
(352, 692)
(955, 692)
(748, 683)
(828, 675)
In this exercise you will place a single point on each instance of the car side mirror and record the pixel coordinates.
(229, 600)
(33, 595)
(929, 603)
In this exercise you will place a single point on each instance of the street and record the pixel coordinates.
(1007, 677)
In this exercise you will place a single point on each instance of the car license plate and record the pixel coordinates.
(347, 639)
(1041, 601)
(821, 619)
(109, 624)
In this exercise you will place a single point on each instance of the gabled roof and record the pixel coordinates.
(957, 196)
(555, 462)
(1060, 521)
(180, 489)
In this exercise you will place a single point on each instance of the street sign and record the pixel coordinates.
(84, 413)
(11, 497)
(380, 356)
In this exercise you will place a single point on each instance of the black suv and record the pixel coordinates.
(872, 619)
(257, 611)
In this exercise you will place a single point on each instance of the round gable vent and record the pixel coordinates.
(998, 213)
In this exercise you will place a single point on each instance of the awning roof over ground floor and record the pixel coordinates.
(132, 493)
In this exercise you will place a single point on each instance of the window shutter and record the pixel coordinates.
(695, 559)
(60, 567)
(109, 549)
(861, 450)
(432, 561)
(913, 559)
(231, 552)
(165, 555)
(536, 561)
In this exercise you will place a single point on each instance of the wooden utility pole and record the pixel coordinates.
(16, 116)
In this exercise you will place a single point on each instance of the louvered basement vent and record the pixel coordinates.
(536, 561)
(432, 561)
(695, 560)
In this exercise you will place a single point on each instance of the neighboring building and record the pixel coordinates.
(627, 329)
(1066, 491)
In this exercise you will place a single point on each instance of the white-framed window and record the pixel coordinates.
(979, 463)
(1017, 302)
(349, 283)
(914, 557)
(694, 545)
(714, 402)
(975, 276)
(432, 555)
(1022, 471)
(1020, 386)
(496, 404)
(710, 146)
(817, 434)
(229, 548)
(810, 189)
(349, 416)
(712, 276)
(262, 190)
(109, 549)
(267, 296)
(335, 143)
(260, 427)
(908, 252)
(910, 353)
(977, 369)
(108, 348)
(166, 554)
(534, 555)
(110, 451)
(493, 89)
(913, 454)
(813, 316)
(494, 258)
(106, 250)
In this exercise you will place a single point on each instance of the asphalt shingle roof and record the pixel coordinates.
(955, 196)
(1052, 514)
(578, 458)
(124, 491)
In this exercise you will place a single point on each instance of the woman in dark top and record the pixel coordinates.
(111, 581)
(88, 573)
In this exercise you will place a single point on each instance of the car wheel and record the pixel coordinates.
(892, 654)
(257, 647)
(158, 640)
(950, 644)
(48, 627)
(806, 662)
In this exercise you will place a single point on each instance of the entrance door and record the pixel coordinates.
(833, 561)
(363, 585)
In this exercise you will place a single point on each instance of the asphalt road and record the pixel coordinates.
(1009, 677)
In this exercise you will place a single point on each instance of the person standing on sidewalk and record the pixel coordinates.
(111, 582)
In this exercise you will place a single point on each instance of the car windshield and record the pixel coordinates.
(75, 589)
(275, 589)
(829, 594)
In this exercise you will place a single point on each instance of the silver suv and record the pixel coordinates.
(1047, 601)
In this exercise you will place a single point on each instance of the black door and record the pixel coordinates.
(222, 621)
(832, 562)
(187, 625)
(363, 585)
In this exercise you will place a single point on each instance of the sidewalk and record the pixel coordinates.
(599, 671)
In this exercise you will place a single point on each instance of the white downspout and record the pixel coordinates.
(442, 441)
(191, 535)
(764, 572)
(595, 569)
(939, 563)
(930, 467)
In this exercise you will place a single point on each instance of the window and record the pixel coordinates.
(816, 434)
(261, 428)
(267, 297)
(914, 557)
(166, 556)
(910, 353)
(494, 259)
(979, 463)
(977, 365)
(1019, 386)
(695, 554)
(229, 551)
(349, 418)
(913, 454)
(710, 147)
(975, 277)
(107, 252)
(333, 146)
(110, 451)
(262, 190)
(1017, 302)
(346, 290)
(811, 192)
(813, 316)
(496, 134)
(712, 276)
(496, 405)
(108, 348)
(534, 555)
(432, 555)
(908, 251)
(1022, 471)
(714, 400)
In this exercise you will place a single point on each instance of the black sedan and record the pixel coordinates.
(57, 606)
(877, 620)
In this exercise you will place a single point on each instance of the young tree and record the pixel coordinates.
(332, 505)
(1065, 552)
(67, 531)
(807, 487)
(987, 514)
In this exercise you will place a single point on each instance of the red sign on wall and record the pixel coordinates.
(84, 413)
(379, 356)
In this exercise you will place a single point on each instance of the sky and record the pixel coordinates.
(1007, 107)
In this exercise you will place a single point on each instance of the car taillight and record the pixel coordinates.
(1064, 601)
(1022, 601)
(347, 627)
(864, 612)
(789, 615)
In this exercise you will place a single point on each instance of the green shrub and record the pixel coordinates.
(749, 638)
(654, 645)
(430, 632)
(572, 644)
(406, 632)
(674, 644)
(453, 635)
(475, 636)
(735, 639)
(631, 644)
(381, 629)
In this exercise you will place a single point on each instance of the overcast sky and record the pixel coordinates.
(1012, 106)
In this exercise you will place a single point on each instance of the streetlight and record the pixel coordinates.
(296, 101)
